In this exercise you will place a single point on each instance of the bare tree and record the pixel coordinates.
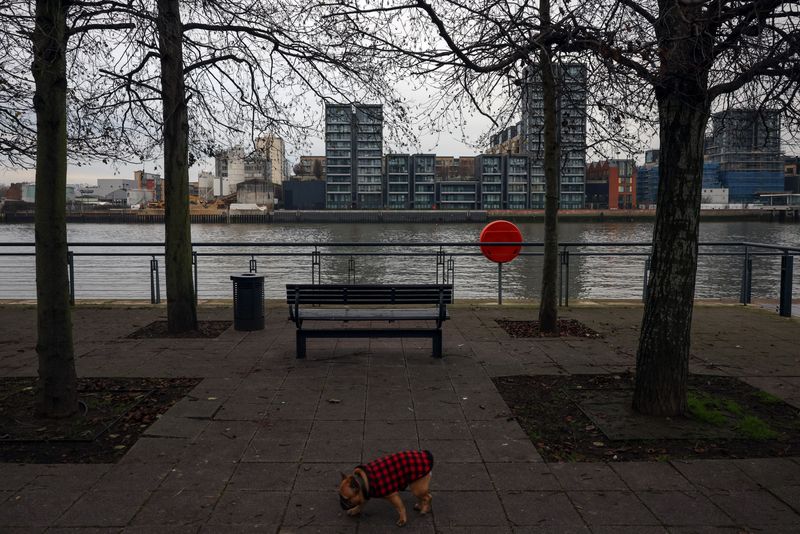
(231, 71)
(37, 129)
(690, 53)
(548, 305)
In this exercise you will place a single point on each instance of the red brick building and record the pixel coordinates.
(611, 184)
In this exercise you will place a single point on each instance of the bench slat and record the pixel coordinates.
(364, 314)
(369, 294)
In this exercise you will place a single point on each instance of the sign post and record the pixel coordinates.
(500, 232)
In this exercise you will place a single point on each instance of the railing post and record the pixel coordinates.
(787, 261)
(645, 292)
(316, 267)
(440, 262)
(253, 264)
(563, 279)
(351, 270)
(71, 275)
(747, 278)
(155, 289)
(499, 283)
(194, 271)
(451, 272)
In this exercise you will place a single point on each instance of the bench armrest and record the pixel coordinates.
(442, 309)
(294, 311)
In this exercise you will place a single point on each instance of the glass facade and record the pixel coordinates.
(517, 182)
(398, 181)
(354, 156)
(457, 195)
(571, 121)
(424, 179)
(490, 173)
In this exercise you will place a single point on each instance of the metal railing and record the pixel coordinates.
(444, 255)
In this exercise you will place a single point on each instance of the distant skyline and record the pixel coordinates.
(90, 172)
(439, 143)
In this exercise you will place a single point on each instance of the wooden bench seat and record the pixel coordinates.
(370, 303)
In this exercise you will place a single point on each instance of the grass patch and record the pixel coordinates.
(754, 428)
(705, 408)
(552, 410)
(768, 398)
(719, 411)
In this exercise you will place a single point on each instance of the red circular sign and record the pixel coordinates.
(500, 232)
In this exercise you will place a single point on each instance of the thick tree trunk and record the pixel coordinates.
(181, 304)
(662, 359)
(58, 393)
(548, 307)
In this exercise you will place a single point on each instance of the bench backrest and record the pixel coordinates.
(369, 293)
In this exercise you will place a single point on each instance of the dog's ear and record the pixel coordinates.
(343, 475)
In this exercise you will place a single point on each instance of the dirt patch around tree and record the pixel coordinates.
(113, 413)
(566, 328)
(158, 329)
(588, 418)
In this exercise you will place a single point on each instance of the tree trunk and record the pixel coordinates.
(181, 304)
(58, 393)
(548, 306)
(662, 359)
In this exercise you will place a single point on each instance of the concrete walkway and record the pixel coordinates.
(259, 444)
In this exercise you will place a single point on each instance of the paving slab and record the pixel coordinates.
(237, 507)
(611, 508)
(104, 509)
(684, 508)
(258, 444)
(179, 508)
(547, 510)
(468, 509)
(755, 508)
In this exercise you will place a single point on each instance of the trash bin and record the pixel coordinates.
(248, 301)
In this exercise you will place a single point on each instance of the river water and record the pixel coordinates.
(590, 276)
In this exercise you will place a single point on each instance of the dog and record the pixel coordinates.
(386, 477)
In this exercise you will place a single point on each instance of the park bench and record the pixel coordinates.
(372, 303)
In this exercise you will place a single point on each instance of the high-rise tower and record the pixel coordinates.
(353, 154)
(571, 124)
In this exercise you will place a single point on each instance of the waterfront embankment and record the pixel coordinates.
(770, 214)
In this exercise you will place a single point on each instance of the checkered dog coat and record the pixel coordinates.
(395, 472)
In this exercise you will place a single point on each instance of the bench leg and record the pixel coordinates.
(301, 344)
(437, 344)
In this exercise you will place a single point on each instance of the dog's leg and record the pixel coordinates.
(421, 490)
(397, 502)
(356, 510)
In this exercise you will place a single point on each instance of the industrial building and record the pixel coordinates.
(746, 143)
(235, 166)
(507, 141)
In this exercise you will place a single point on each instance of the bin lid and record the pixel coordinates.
(246, 276)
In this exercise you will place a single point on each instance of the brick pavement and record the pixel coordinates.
(259, 443)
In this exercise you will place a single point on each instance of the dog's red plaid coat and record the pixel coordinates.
(395, 472)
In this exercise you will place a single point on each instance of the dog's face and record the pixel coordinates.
(350, 494)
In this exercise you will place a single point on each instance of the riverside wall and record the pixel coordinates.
(777, 213)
